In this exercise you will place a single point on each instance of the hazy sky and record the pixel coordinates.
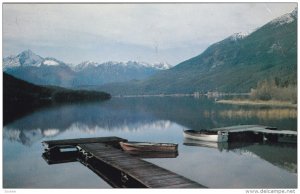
(120, 32)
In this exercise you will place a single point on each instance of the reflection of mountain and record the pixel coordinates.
(30, 136)
(27, 137)
(280, 154)
(135, 114)
(203, 113)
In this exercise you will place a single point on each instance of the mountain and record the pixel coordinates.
(91, 73)
(42, 71)
(25, 97)
(24, 59)
(50, 71)
(234, 64)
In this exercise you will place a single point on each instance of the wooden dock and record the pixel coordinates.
(118, 168)
(258, 133)
(72, 143)
(254, 128)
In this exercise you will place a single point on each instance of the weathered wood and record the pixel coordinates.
(180, 186)
(146, 173)
(118, 168)
(75, 142)
(254, 128)
(258, 133)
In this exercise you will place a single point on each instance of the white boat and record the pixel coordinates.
(204, 135)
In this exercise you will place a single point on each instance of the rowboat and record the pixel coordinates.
(146, 154)
(148, 146)
(205, 135)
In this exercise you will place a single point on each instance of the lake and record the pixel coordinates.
(158, 119)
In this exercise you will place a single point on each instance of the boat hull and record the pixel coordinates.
(156, 154)
(148, 147)
(217, 137)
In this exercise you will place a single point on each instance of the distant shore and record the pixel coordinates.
(258, 103)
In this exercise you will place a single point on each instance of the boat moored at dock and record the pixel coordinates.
(149, 147)
(243, 133)
(205, 135)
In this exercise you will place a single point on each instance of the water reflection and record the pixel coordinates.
(217, 145)
(30, 136)
(137, 114)
(282, 155)
(267, 114)
(157, 120)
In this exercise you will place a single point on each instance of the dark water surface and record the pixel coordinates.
(158, 119)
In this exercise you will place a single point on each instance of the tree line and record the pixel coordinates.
(275, 89)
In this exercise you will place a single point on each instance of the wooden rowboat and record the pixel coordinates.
(149, 147)
(145, 154)
(204, 135)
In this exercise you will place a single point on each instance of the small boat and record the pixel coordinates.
(148, 146)
(146, 154)
(205, 135)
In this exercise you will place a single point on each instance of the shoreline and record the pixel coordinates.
(273, 103)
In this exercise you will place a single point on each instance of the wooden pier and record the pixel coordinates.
(120, 169)
(72, 143)
(258, 133)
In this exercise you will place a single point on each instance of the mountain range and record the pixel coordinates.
(50, 71)
(235, 64)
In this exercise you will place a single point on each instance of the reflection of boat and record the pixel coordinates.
(218, 145)
(142, 154)
(204, 135)
(148, 146)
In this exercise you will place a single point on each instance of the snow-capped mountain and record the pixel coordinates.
(25, 58)
(84, 65)
(162, 65)
(11, 62)
(137, 64)
(91, 73)
(157, 65)
(50, 62)
(33, 68)
(28, 58)
(50, 71)
(234, 64)
(238, 36)
(286, 18)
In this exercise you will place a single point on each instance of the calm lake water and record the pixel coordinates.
(158, 119)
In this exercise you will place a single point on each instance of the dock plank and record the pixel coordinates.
(148, 174)
(75, 142)
(254, 128)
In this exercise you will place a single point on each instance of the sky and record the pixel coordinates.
(144, 32)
